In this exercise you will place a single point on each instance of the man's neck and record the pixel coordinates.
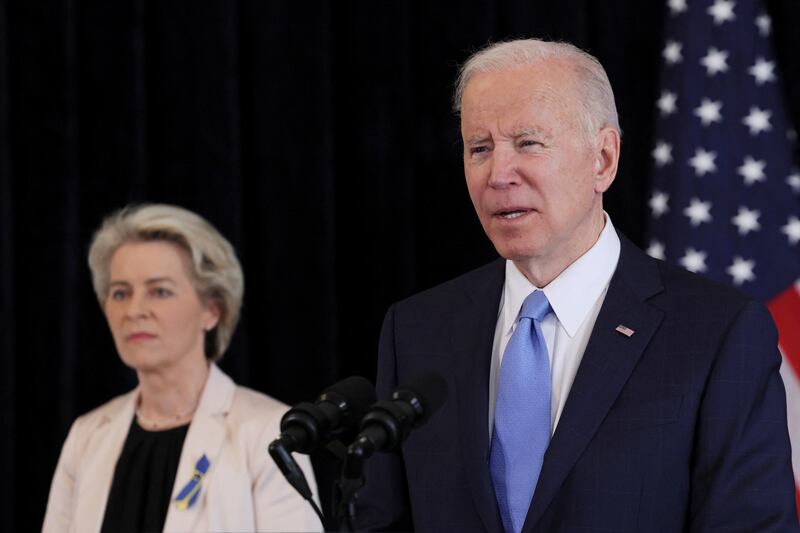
(540, 271)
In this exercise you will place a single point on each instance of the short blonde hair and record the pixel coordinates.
(598, 108)
(214, 269)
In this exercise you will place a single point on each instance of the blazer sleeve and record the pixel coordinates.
(60, 503)
(741, 466)
(277, 506)
(383, 502)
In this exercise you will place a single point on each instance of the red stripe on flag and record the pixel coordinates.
(785, 309)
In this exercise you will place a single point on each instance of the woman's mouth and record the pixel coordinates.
(140, 336)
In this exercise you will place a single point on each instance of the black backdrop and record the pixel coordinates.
(317, 136)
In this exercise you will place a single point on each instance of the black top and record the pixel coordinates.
(143, 479)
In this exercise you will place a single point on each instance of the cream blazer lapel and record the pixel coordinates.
(103, 447)
(206, 436)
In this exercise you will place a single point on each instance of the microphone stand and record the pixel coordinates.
(288, 466)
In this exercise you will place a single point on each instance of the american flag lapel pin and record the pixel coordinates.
(625, 330)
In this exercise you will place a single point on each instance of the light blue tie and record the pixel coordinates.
(522, 414)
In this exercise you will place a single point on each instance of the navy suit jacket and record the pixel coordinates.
(679, 427)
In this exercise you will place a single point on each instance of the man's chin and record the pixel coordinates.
(516, 252)
(518, 244)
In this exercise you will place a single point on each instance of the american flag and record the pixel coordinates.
(725, 195)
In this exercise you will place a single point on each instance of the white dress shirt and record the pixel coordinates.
(576, 297)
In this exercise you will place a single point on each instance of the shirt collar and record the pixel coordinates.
(573, 292)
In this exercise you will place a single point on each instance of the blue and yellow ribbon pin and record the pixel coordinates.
(188, 494)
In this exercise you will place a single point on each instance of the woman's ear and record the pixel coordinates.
(212, 315)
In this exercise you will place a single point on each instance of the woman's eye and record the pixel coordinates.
(118, 294)
(161, 292)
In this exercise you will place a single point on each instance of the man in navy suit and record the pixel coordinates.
(665, 407)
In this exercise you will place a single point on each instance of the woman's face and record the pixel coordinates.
(155, 314)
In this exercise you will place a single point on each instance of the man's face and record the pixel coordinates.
(532, 174)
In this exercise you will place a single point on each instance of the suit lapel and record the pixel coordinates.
(98, 471)
(206, 436)
(608, 361)
(472, 336)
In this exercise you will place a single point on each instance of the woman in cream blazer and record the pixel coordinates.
(242, 491)
(186, 450)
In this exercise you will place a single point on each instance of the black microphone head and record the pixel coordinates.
(352, 396)
(426, 393)
(305, 425)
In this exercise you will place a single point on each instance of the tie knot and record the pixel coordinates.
(536, 306)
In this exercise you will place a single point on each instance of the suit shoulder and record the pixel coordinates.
(669, 285)
(692, 289)
(252, 405)
(105, 411)
(452, 290)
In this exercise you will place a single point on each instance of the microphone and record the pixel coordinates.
(307, 426)
(383, 428)
(388, 423)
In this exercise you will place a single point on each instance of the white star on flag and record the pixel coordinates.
(694, 260)
(672, 52)
(722, 11)
(764, 24)
(715, 61)
(662, 153)
(792, 230)
(741, 270)
(758, 120)
(656, 250)
(762, 70)
(709, 111)
(794, 181)
(658, 203)
(703, 162)
(666, 103)
(752, 170)
(677, 7)
(746, 220)
(698, 212)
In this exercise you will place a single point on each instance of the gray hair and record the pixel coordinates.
(592, 85)
(214, 269)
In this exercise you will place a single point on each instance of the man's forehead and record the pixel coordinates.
(544, 87)
(513, 131)
(544, 77)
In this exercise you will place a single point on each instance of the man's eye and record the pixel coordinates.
(478, 150)
(529, 142)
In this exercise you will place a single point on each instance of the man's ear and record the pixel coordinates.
(606, 158)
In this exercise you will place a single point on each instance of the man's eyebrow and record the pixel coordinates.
(477, 139)
(528, 131)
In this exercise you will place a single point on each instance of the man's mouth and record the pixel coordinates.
(511, 214)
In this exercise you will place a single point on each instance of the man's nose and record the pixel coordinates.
(504, 169)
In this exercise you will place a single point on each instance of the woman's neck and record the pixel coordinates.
(169, 397)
